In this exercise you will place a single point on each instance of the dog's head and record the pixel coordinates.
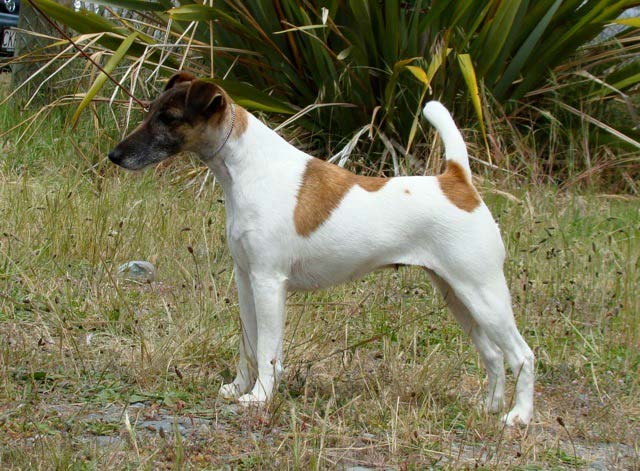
(190, 115)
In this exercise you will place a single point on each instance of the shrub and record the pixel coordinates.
(378, 61)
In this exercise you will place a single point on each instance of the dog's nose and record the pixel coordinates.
(115, 156)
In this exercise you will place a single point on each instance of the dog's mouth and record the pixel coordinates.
(134, 160)
(143, 148)
(127, 162)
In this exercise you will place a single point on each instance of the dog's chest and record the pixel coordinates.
(244, 231)
(259, 219)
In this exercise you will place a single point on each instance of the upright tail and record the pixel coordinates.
(455, 148)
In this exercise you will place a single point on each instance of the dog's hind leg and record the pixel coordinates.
(489, 303)
(489, 352)
(247, 370)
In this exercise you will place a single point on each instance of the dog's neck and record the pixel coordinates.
(221, 149)
(245, 152)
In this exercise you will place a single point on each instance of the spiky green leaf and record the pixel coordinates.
(111, 64)
(469, 74)
(250, 97)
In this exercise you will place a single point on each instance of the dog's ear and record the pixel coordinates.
(179, 78)
(204, 99)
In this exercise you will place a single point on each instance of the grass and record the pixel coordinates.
(378, 373)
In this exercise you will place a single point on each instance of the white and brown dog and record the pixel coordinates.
(295, 222)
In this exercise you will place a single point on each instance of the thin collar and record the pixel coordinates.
(229, 131)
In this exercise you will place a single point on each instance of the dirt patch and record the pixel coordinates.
(142, 425)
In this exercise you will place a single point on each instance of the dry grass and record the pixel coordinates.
(378, 373)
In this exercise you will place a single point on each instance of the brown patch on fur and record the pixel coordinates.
(242, 121)
(407, 191)
(322, 189)
(457, 187)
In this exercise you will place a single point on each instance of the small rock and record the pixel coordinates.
(162, 424)
(105, 440)
(138, 270)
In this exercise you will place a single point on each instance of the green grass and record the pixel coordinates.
(378, 373)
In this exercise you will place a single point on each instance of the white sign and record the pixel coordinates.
(9, 40)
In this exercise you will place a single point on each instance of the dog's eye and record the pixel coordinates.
(167, 118)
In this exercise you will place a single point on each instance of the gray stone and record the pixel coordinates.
(106, 440)
(165, 424)
(138, 270)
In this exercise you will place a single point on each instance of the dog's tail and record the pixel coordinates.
(455, 148)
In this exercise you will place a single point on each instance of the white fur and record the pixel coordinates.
(463, 252)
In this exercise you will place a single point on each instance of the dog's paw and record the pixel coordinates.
(252, 399)
(229, 391)
(517, 416)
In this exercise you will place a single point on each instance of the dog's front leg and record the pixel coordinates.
(247, 366)
(269, 293)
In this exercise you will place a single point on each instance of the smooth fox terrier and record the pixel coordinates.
(295, 222)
